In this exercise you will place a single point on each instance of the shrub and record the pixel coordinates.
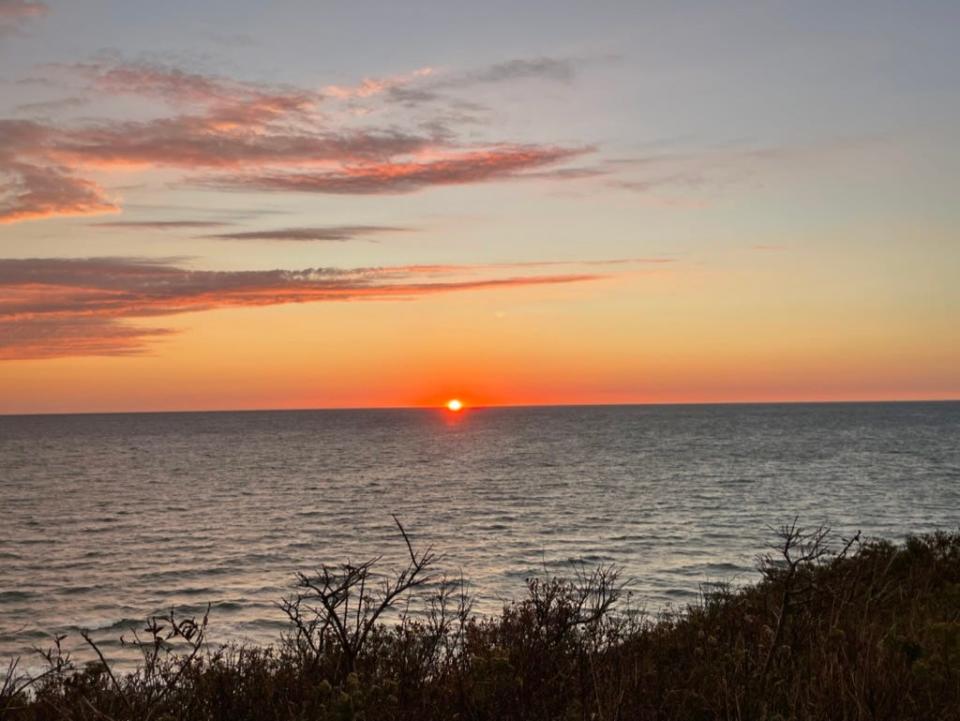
(871, 631)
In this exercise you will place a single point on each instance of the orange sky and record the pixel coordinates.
(597, 344)
(643, 205)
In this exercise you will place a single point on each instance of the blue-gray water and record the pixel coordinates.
(106, 518)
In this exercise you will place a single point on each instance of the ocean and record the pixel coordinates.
(105, 519)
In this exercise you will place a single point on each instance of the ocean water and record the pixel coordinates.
(105, 519)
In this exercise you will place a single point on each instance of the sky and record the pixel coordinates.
(238, 204)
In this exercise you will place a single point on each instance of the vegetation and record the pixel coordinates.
(869, 630)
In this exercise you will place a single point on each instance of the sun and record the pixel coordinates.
(454, 405)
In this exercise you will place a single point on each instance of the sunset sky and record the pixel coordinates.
(237, 204)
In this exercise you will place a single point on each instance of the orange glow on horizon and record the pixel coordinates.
(454, 405)
(521, 358)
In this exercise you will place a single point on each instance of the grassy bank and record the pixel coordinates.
(863, 630)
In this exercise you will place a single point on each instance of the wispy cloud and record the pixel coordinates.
(248, 136)
(161, 224)
(192, 143)
(543, 68)
(44, 107)
(374, 86)
(43, 338)
(224, 96)
(325, 233)
(694, 176)
(425, 84)
(53, 307)
(447, 88)
(454, 268)
(31, 190)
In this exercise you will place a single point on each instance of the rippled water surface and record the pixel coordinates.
(107, 518)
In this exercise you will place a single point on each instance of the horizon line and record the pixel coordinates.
(487, 406)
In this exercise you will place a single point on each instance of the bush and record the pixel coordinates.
(870, 631)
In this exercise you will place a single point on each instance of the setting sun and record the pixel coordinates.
(454, 405)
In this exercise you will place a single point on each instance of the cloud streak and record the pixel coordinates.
(430, 84)
(161, 224)
(543, 68)
(406, 177)
(51, 106)
(425, 84)
(53, 307)
(326, 233)
(47, 338)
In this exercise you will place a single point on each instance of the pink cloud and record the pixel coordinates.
(53, 307)
(250, 136)
(33, 187)
(227, 102)
(193, 142)
(32, 192)
(16, 9)
(52, 338)
(13, 13)
(404, 177)
(375, 86)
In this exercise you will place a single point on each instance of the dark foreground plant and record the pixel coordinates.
(869, 631)
(336, 608)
